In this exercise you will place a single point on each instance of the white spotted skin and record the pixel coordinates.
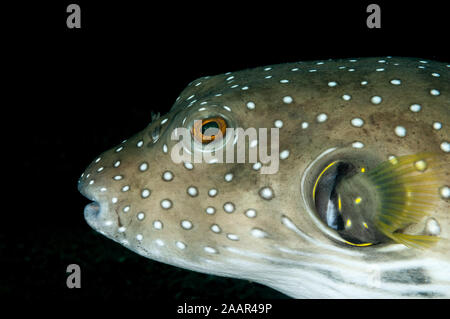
(294, 256)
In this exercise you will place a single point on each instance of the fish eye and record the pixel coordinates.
(209, 129)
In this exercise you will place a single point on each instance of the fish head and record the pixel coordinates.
(294, 176)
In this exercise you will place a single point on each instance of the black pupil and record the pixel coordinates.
(210, 128)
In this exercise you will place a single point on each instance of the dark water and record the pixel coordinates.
(78, 93)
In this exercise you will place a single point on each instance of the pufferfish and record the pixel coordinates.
(341, 190)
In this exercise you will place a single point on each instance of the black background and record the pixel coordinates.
(75, 93)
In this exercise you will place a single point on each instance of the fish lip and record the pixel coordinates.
(92, 210)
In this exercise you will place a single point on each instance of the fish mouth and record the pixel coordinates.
(91, 210)
(91, 214)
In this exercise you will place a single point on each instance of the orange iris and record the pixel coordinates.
(206, 130)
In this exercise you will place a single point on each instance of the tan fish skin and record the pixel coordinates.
(364, 110)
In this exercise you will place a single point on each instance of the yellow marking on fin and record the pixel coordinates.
(363, 169)
(365, 225)
(358, 200)
(339, 203)
(318, 178)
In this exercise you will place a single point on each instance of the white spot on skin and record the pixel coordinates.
(305, 125)
(210, 210)
(126, 188)
(119, 149)
(157, 225)
(251, 105)
(332, 84)
(364, 83)
(139, 237)
(103, 189)
(266, 193)
(140, 216)
(445, 146)
(117, 177)
(117, 164)
(257, 166)
(192, 191)
(126, 209)
(145, 193)
(228, 177)
(444, 191)
(435, 92)
(159, 242)
(166, 203)
(165, 148)
(432, 227)
(284, 81)
(188, 165)
(100, 169)
(114, 200)
(165, 120)
(357, 145)
(346, 97)
(91, 182)
(210, 250)
(121, 229)
(287, 99)
(186, 224)
(227, 108)
(400, 131)
(322, 117)
(215, 228)
(250, 213)
(396, 82)
(167, 176)
(228, 207)
(284, 154)
(376, 99)
(437, 125)
(415, 108)
(357, 122)
(436, 75)
(212, 192)
(98, 159)
(143, 167)
(140, 143)
(232, 237)
(258, 233)
(278, 123)
(180, 245)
